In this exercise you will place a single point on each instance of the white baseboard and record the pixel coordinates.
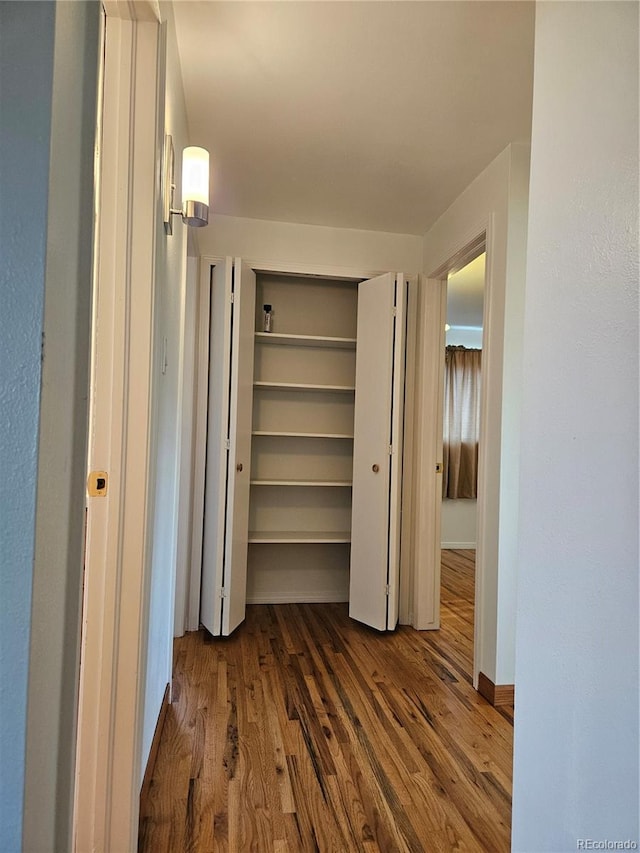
(327, 597)
(464, 546)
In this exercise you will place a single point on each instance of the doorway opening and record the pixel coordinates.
(460, 442)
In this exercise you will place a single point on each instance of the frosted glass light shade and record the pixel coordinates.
(195, 186)
(195, 175)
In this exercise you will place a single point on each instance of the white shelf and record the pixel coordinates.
(298, 537)
(305, 340)
(294, 386)
(331, 483)
(302, 434)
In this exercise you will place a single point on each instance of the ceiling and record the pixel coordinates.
(371, 115)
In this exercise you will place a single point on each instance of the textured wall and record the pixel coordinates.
(62, 445)
(576, 735)
(26, 58)
(48, 64)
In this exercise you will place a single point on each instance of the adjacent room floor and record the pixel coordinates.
(306, 731)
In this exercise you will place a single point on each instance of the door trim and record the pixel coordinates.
(115, 615)
(432, 306)
(432, 318)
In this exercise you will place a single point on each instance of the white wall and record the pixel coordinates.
(259, 239)
(168, 355)
(458, 523)
(495, 201)
(576, 729)
(471, 338)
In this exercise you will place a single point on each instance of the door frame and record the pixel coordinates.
(408, 568)
(432, 320)
(115, 607)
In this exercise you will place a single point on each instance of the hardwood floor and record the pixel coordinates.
(306, 731)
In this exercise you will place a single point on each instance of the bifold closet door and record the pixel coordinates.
(377, 452)
(226, 516)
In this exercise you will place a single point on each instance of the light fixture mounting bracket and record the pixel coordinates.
(168, 183)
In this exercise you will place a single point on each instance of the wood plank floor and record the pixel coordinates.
(305, 731)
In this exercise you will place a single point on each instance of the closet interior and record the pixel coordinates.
(302, 439)
(304, 454)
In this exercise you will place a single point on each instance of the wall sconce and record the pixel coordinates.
(195, 186)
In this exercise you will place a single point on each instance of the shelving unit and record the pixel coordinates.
(275, 339)
(309, 483)
(302, 440)
(299, 537)
(302, 434)
(306, 386)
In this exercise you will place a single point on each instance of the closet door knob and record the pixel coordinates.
(375, 468)
(239, 466)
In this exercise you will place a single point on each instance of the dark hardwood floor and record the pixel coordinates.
(306, 731)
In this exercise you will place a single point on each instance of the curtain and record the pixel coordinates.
(461, 422)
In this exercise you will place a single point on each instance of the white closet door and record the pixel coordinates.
(216, 464)
(240, 412)
(397, 435)
(377, 452)
(224, 562)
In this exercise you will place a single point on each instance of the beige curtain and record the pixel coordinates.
(461, 422)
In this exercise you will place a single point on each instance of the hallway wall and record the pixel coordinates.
(168, 354)
(576, 771)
